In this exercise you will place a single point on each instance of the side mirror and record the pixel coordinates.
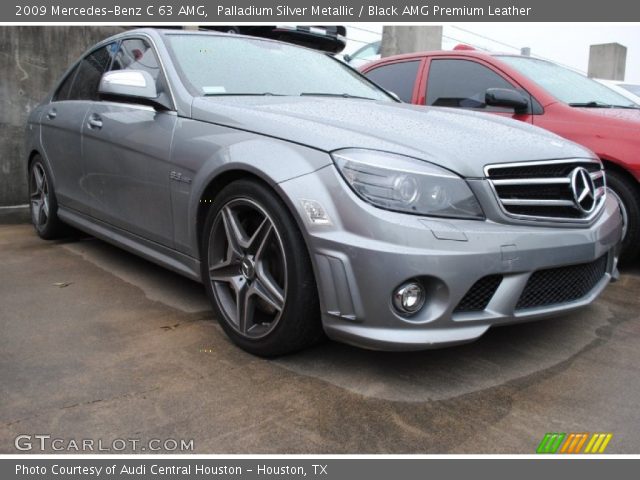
(129, 83)
(506, 97)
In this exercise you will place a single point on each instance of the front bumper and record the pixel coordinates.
(366, 253)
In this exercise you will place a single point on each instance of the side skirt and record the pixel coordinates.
(152, 251)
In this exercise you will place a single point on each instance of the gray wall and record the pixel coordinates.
(402, 39)
(31, 60)
(607, 61)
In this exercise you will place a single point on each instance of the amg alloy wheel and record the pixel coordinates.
(247, 268)
(257, 272)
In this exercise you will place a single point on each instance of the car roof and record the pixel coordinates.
(453, 53)
(160, 32)
(466, 53)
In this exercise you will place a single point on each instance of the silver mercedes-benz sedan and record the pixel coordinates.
(310, 202)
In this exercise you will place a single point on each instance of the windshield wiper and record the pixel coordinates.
(261, 94)
(341, 95)
(591, 104)
(596, 104)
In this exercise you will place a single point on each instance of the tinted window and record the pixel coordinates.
(398, 78)
(90, 70)
(65, 88)
(461, 83)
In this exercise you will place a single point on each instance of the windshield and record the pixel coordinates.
(228, 65)
(565, 84)
(635, 89)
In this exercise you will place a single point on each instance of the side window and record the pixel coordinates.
(137, 54)
(398, 78)
(65, 87)
(89, 72)
(462, 84)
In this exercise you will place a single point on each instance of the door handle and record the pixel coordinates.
(51, 114)
(95, 122)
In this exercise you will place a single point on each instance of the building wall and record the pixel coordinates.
(608, 61)
(400, 39)
(31, 60)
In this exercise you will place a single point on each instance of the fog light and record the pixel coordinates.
(409, 298)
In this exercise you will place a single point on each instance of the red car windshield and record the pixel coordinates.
(565, 84)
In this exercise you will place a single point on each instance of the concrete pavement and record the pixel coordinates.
(99, 344)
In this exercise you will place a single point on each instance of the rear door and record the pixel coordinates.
(62, 122)
(462, 83)
(126, 149)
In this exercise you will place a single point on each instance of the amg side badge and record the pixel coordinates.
(179, 177)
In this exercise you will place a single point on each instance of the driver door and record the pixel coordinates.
(126, 150)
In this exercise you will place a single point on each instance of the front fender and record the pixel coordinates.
(204, 152)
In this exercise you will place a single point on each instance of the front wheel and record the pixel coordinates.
(627, 193)
(257, 272)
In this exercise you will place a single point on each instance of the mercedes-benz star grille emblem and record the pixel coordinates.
(584, 190)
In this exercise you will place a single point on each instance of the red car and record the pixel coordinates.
(534, 91)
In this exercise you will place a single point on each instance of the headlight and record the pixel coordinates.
(405, 184)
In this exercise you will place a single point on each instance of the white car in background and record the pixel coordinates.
(628, 90)
(364, 55)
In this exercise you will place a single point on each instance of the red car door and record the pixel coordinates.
(461, 82)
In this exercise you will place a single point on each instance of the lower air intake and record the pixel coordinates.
(560, 285)
(479, 295)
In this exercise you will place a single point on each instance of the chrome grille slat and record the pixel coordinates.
(531, 181)
(532, 201)
(543, 190)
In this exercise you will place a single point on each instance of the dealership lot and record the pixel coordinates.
(99, 344)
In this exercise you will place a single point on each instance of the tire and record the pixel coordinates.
(253, 251)
(42, 202)
(627, 192)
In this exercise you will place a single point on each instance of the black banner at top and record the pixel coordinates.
(334, 11)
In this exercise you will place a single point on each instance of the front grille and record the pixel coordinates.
(544, 190)
(562, 284)
(479, 295)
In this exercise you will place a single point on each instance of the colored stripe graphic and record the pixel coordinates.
(570, 440)
(551, 442)
(598, 443)
(572, 443)
(605, 443)
(581, 442)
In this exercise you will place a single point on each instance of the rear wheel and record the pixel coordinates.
(627, 193)
(257, 272)
(42, 202)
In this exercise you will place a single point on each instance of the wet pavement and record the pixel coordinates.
(99, 344)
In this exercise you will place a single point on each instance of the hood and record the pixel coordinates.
(623, 118)
(459, 140)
